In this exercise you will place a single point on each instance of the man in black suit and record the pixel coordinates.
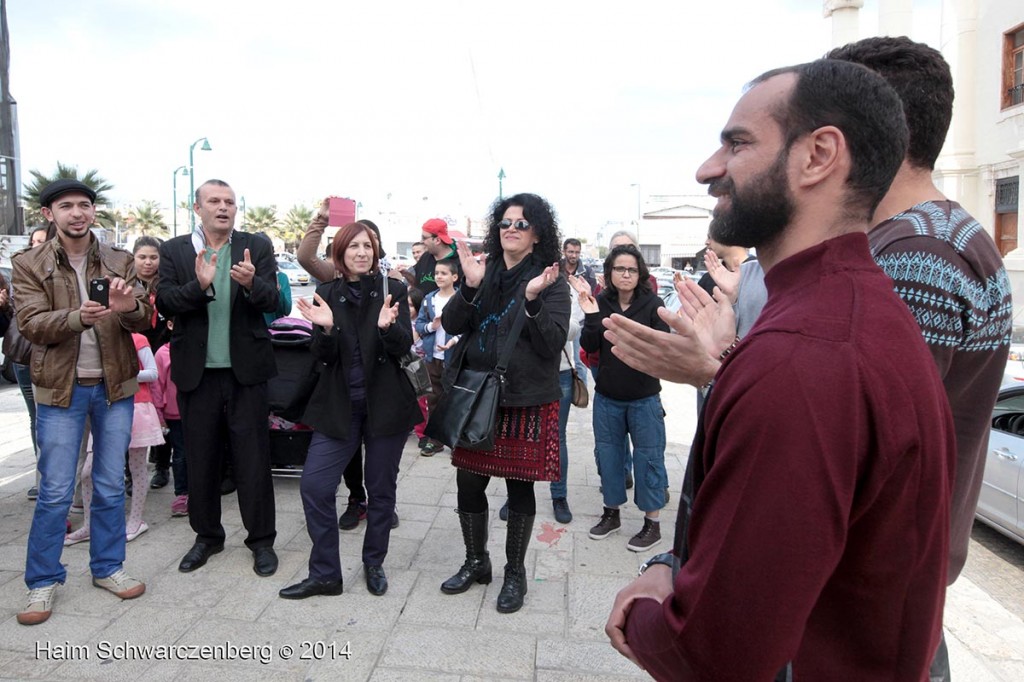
(216, 284)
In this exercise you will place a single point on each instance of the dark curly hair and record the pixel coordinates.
(643, 278)
(541, 216)
(921, 77)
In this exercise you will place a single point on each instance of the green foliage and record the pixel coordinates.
(261, 219)
(33, 190)
(294, 226)
(147, 219)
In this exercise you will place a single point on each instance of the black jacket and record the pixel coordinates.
(179, 297)
(390, 400)
(616, 379)
(532, 377)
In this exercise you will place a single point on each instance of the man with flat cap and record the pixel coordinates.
(84, 366)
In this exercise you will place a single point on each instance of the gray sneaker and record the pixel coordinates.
(40, 605)
(648, 537)
(608, 524)
(121, 584)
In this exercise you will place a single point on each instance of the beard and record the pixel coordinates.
(758, 212)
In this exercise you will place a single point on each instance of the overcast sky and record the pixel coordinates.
(422, 101)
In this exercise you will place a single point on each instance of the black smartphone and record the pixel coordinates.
(99, 291)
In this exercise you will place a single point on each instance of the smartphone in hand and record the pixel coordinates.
(99, 291)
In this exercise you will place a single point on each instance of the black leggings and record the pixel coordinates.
(473, 494)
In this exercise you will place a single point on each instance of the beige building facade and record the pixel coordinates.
(982, 163)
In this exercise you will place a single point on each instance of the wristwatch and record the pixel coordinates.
(665, 558)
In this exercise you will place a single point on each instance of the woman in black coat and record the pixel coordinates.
(362, 396)
(521, 277)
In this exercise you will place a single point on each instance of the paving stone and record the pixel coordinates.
(589, 657)
(460, 651)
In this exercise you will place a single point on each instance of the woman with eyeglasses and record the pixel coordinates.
(626, 401)
(521, 277)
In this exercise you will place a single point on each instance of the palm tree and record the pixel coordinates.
(147, 219)
(261, 219)
(34, 189)
(294, 226)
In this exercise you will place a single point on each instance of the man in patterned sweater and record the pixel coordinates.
(947, 270)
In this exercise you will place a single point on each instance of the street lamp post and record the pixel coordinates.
(639, 215)
(192, 178)
(174, 204)
(501, 176)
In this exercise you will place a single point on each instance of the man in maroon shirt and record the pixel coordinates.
(814, 522)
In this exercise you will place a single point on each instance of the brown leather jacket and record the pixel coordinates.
(49, 317)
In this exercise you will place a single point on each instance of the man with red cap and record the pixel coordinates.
(440, 246)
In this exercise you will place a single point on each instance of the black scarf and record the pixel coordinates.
(499, 299)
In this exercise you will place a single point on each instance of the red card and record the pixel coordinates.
(342, 212)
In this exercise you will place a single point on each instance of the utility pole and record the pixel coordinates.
(10, 175)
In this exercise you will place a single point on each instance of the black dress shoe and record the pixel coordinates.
(264, 561)
(376, 581)
(198, 555)
(312, 588)
(159, 480)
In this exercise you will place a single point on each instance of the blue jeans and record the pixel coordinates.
(644, 421)
(59, 430)
(628, 466)
(558, 488)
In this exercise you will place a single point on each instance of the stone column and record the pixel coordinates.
(845, 20)
(957, 168)
(895, 17)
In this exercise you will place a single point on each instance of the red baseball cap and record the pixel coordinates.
(439, 229)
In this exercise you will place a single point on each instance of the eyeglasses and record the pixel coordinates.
(520, 225)
(623, 270)
(425, 237)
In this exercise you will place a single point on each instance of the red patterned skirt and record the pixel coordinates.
(525, 446)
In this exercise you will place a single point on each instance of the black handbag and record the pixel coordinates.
(414, 367)
(465, 415)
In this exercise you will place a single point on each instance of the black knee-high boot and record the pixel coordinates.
(477, 568)
(520, 528)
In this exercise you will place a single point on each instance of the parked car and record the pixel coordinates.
(297, 277)
(1015, 363)
(1001, 503)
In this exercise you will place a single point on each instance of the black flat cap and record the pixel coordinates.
(59, 188)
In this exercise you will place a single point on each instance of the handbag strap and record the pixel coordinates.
(572, 367)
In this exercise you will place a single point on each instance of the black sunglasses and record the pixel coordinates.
(520, 225)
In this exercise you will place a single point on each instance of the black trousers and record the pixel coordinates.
(222, 405)
(321, 473)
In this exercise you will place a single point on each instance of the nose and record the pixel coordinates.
(712, 168)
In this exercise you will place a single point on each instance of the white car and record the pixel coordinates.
(297, 277)
(1001, 503)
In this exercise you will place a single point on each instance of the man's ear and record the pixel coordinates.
(820, 155)
(47, 213)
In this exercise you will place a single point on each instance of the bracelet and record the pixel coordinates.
(725, 353)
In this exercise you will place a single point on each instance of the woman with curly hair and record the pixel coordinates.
(521, 277)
